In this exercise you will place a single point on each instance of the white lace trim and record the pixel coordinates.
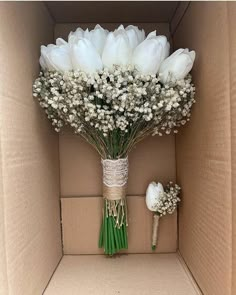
(115, 172)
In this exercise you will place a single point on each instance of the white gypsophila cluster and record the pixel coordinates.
(168, 201)
(118, 99)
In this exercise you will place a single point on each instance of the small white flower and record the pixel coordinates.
(153, 195)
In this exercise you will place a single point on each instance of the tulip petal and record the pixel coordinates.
(177, 65)
(121, 27)
(60, 41)
(79, 33)
(167, 50)
(45, 57)
(192, 54)
(60, 58)
(135, 35)
(150, 196)
(147, 57)
(42, 63)
(117, 50)
(152, 34)
(133, 38)
(85, 57)
(153, 195)
(98, 37)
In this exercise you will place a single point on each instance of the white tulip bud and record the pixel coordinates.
(79, 33)
(98, 37)
(117, 50)
(54, 57)
(85, 57)
(177, 65)
(42, 63)
(60, 41)
(148, 55)
(135, 35)
(153, 194)
(163, 41)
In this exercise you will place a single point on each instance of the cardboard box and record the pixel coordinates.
(51, 184)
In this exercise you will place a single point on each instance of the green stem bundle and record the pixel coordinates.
(113, 233)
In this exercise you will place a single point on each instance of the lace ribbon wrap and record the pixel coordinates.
(115, 177)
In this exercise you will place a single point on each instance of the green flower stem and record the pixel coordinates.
(113, 235)
(117, 242)
(106, 232)
(125, 236)
(100, 243)
(122, 238)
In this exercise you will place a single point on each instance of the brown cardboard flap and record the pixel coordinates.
(161, 274)
(3, 258)
(204, 151)
(112, 11)
(30, 241)
(232, 51)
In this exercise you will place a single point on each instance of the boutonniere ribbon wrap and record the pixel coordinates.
(114, 89)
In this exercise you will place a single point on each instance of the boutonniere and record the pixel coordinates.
(162, 202)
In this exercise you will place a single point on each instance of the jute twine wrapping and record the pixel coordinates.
(115, 176)
(114, 193)
(155, 229)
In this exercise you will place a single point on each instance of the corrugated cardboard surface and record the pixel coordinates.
(81, 221)
(179, 13)
(204, 150)
(160, 274)
(111, 11)
(232, 40)
(3, 260)
(29, 204)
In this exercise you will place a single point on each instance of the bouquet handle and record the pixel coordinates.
(113, 233)
(155, 226)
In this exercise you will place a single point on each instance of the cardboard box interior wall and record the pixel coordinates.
(39, 168)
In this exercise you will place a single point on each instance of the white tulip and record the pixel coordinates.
(177, 65)
(60, 41)
(163, 41)
(42, 63)
(153, 194)
(117, 50)
(44, 60)
(79, 33)
(152, 34)
(74, 37)
(98, 37)
(55, 57)
(148, 55)
(85, 57)
(135, 35)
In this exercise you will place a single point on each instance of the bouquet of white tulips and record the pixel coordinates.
(162, 202)
(114, 89)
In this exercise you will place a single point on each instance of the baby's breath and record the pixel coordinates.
(168, 201)
(114, 107)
